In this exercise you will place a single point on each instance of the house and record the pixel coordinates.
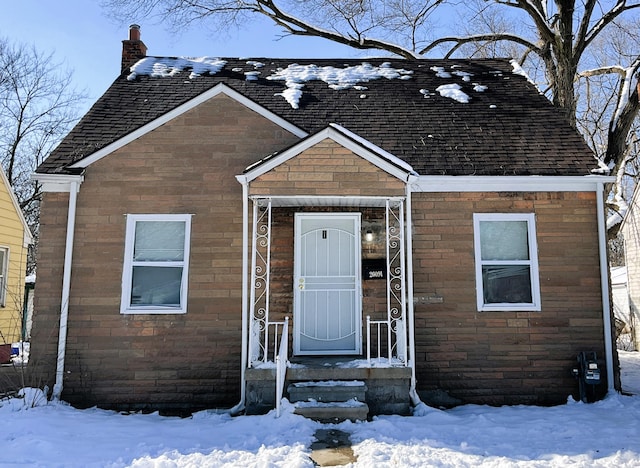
(630, 229)
(15, 238)
(420, 227)
(624, 321)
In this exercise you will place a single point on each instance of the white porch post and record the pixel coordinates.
(410, 306)
(245, 281)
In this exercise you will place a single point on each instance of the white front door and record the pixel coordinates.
(327, 297)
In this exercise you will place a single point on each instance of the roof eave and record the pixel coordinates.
(541, 183)
(474, 183)
(58, 182)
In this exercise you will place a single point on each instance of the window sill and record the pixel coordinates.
(153, 311)
(510, 308)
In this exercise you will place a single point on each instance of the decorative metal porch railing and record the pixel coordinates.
(259, 325)
(390, 334)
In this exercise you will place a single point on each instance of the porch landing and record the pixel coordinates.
(387, 386)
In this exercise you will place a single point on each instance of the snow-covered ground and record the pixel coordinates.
(606, 434)
(630, 371)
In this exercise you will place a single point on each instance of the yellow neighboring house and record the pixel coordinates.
(15, 238)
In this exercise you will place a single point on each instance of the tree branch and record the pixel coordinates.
(607, 18)
(479, 38)
(538, 15)
(298, 27)
(584, 26)
(626, 112)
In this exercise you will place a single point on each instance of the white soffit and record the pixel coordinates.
(433, 184)
(58, 182)
(172, 114)
(346, 140)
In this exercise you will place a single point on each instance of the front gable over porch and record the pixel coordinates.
(314, 207)
(331, 163)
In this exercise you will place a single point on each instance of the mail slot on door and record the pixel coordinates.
(374, 268)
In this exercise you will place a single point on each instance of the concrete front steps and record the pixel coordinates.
(330, 401)
(386, 388)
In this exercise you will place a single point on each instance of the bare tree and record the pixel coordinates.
(397, 26)
(562, 41)
(589, 54)
(38, 105)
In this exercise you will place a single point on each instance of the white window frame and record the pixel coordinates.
(127, 272)
(4, 273)
(532, 262)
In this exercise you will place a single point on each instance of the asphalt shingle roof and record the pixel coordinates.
(509, 128)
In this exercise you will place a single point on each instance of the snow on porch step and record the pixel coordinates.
(328, 390)
(332, 412)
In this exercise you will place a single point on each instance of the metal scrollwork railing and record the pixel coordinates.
(260, 267)
(390, 334)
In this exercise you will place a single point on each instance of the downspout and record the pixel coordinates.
(245, 286)
(413, 394)
(74, 188)
(604, 286)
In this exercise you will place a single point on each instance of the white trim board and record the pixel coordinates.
(58, 182)
(433, 184)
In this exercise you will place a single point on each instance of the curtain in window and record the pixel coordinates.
(508, 282)
(159, 241)
(504, 240)
(158, 257)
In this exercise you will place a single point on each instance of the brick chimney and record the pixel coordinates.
(133, 49)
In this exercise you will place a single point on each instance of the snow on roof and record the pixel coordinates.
(518, 70)
(296, 75)
(440, 72)
(464, 75)
(453, 91)
(164, 67)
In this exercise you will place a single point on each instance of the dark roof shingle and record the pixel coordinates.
(506, 128)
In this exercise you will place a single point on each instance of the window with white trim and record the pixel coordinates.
(4, 262)
(156, 264)
(506, 256)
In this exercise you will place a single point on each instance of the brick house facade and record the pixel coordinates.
(224, 159)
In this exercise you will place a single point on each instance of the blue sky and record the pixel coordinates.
(79, 34)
